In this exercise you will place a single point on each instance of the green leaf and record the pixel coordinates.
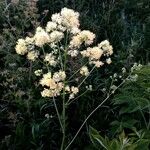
(97, 139)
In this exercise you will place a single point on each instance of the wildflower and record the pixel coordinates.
(59, 76)
(136, 67)
(106, 47)
(62, 75)
(115, 75)
(89, 87)
(123, 70)
(56, 18)
(69, 18)
(71, 96)
(56, 36)
(133, 78)
(47, 116)
(32, 55)
(73, 53)
(75, 30)
(46, 93)
(54, 82)
(51, 26)
(97, 63)
(67, 88)
(93, 53)
(29, 40)
(87, 37)
(50, 58)
(74, 90)
(84, 36)
(84, 71)
(108, 61)
(38, 72)
(21, 47)
(61, 28)
(41, 37)
(75, 42)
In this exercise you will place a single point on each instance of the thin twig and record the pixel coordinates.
(92, 114)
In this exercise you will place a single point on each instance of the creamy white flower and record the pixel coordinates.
(84, 71)
(67, 88)
(75, 30)
(56, 36)
(89, 87)
(62, 75)
(56, 77)
(45, 77)
(51, 26)
(123, 70)
(73, 53)
(21, 47)
(67, 21)
(74, 90)
(87, 37)
(84, 36)
(56, 18)
(104, 44)
(97, 63)
(59, 76)
(29, 40)
(32, 55)
(51, 59)
(46, 93)
(94, 53)
(61, 28)
(75, 41)
(108, 61)
(38, 72)
(41, 37)
(71, 96)
(106, 47)
(70, 18)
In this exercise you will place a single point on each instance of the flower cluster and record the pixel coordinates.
(21, 47)
(84, 71)
(65, 41)
(53, 83)
(95, 53)
(84, 36)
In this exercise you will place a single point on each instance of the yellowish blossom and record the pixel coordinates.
(32, 55)
(21, 47)
(50, 58)
(41, 37)
(84, 71)
(38, 72)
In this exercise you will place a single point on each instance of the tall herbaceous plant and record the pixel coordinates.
(67, 59)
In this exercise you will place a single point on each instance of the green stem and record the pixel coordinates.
(64, 121)
(87, 118)
(64, 106)
(58, 115)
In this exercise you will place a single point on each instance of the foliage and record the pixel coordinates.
(136, 140)
(124, 23)
(132, 103)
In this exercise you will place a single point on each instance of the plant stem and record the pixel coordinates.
(64, 122)
(92, 114)
(58, 115)
(64, 106)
